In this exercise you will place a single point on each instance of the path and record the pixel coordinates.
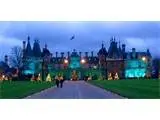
(75, 90)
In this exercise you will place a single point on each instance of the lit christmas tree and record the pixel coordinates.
(48, 78)
(109, 76)
(116, 76)
(39, 77)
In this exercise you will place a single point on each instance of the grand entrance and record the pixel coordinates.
(74, 75)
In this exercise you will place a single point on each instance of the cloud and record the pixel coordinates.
(88, 35)
(6, 43)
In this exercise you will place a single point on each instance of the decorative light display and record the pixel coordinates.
(39, 77)
(116, 76)
(132, 73)
(90, 78)
(136, 68)
(48, 78)
(2, 77)
(75, 62)
(110, 76)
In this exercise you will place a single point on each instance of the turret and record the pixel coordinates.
(148, 53)
(24, 45)
(133, 53)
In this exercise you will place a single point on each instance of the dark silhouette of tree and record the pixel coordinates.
(16, 57)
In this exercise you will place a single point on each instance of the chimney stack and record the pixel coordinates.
(56, 54)
(86, 54)
(6, 59)
(92, 54)
(133, 53)
(68, 53)
(133, 50)
(62, 54)
(123, 48)
(80, 54)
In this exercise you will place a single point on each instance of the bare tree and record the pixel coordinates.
(16, 57)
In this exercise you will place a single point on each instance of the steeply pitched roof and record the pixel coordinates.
(36, 49)
(74, 54)
(28, 51)
(102, 51)
(113, 51)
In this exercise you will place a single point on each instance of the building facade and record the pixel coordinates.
(114, 63)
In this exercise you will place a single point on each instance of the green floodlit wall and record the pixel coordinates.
(135, 68)
(75, 62)
(81, 72)
(33, 67)
(131, 73)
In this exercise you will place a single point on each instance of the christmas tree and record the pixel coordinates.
(116, 76)
(48, 78)
(109, 76)
(39, 77)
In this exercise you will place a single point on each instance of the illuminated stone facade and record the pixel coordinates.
(114, 63)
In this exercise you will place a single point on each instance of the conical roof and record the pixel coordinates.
(28, 51)
(36, 49)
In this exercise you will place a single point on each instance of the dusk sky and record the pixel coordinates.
(88, 35)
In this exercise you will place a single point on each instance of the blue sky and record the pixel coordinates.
(88, 35)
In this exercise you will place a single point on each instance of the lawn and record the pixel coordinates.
(21, 89)
(142, 89)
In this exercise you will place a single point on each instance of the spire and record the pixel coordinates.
(45, 46)
(119, 44)
(148, 53)
(113, 51)
(28, 48)
(114, 39)
(102, 44)
(111, 40)
(28, 38)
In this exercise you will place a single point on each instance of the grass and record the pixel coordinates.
(21, 89)
(136, 89)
